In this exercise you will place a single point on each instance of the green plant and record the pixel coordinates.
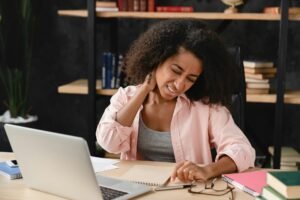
(14, 86)
(16, 53)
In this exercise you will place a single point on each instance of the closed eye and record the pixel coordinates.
(176, 71)
(192, 80)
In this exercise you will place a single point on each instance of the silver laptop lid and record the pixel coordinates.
(54, 163)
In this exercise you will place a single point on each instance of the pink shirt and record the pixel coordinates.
(195, 129)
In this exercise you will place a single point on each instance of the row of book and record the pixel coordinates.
(139, 6)
(150, 6)
(111, 70)
(258, 75)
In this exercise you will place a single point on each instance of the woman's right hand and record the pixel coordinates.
(150, 81)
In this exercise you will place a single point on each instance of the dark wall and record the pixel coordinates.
(60, 56)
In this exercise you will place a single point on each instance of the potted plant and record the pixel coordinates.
(16, 41)
(16, 54)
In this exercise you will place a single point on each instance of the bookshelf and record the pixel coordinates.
(80, 87)
(266, 98)
(90, 87)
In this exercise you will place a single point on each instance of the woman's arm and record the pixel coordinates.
(188, 171)
(126, 115)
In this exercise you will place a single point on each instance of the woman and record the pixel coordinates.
(177, 111)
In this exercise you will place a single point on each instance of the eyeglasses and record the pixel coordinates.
(216, 187)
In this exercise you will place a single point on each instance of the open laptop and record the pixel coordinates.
(60, 164)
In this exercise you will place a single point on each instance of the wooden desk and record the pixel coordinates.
(16, 189)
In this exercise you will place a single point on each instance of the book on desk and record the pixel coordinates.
(10, 172)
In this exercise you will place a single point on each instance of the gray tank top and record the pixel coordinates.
(154, 145)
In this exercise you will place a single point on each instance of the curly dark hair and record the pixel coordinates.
(163, 40)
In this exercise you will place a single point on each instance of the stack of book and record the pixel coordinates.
(110, 6)
(290, 158)
(281, 185)
(258, 75)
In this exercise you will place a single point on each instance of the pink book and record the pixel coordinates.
(251, 182)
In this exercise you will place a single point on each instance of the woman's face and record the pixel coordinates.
(178, 74)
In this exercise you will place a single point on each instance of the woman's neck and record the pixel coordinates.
(154, 97)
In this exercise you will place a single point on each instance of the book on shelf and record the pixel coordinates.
(258, 85)
(130, 5)
(267, 70)
(259, 76)
(285, 151)
(258, 64)
(270, 194)
(289, 168)
(136, 5)
(292, 163)
(143, 5)
(174, 9)
(111, 71)
(252, 80)
(10, 172)
(104, 9)
(257, 91)
(151, 5)
(251, 182)
(122, 5)
(110, 6)
(106, 4)
(276, 10)
(290, 158)
(287, 183)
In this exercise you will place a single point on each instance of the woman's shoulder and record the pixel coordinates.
(215, 108)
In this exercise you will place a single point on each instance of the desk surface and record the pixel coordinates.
(16, 189)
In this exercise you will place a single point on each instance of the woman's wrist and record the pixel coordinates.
(211, 171)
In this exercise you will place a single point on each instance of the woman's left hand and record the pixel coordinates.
(188, 171)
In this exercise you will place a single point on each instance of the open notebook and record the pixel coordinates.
(150, 175)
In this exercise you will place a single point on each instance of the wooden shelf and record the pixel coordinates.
(81, 87)
(290, 97)
(169, 15)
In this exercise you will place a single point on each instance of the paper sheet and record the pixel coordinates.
(103, 164)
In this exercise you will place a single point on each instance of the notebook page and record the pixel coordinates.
(149, 175)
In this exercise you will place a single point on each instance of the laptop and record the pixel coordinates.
(60, 164)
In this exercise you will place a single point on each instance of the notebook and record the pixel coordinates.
(61, 165)
(148, 175)
(251, 182)
(158, 176)
(10, 172)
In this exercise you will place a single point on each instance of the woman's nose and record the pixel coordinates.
(179, 84)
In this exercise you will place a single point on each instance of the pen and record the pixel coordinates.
(172, 187)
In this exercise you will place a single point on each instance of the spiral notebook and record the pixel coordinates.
(151, 175)
(148, 175)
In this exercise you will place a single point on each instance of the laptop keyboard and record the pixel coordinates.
(109, 193)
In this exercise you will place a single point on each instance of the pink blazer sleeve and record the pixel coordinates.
(112, 136)
(229, 139)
